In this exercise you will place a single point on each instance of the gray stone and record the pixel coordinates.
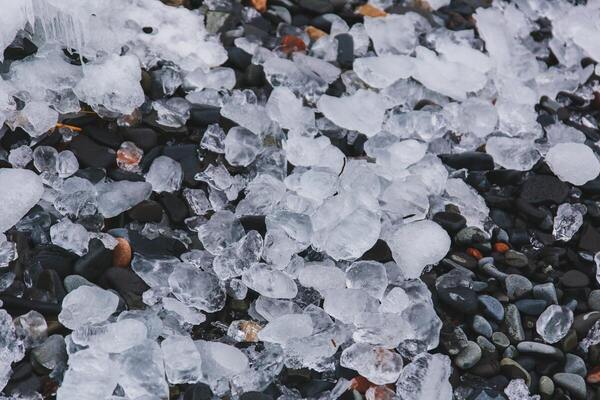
(515, 259)
(575, 365)
(517, 286)
(491, 307)
(573, 383)
(513, 370)
(510, 352)
(513, 323)
(545, 291)
(485, 345)
(594, 300)
(471, 235)
(500, 340)
(541, 349)
(531, 306)
(469, 356)
(482, 326)
(72, 282)
(546, 387)
(51, 354)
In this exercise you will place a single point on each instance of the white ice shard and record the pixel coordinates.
(568, 220)
(115, 337)
(426, 377)
(21, 190)
(70, 236)
(418, 244)
(321, 276)
(287, 110)
(345, 304)
(362, 111)
(196, 288)
(512, 153)
(286, 327)
(165, 175)
(369, 276)
(182, 359)
(395, 33)
(377, 364)
(91, 374)
(380, 72)
(116, 197)
(269, 282)
(87, 305)
(241, 146)
(11, 347)
(575, 163)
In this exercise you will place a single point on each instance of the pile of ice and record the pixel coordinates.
(316, 298)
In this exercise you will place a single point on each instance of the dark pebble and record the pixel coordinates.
(316, 6)
(471, 160)
(574, 279)
(53, 257)
(93, 264)
(146, 211)
(204, 114)
(540, 349)
(491, 307)
(589, 239)
(584, 322)
(144, 138)
(531, 306)
(91, 154)
(461, 299)
(451, 222)
(345, 52)
(199, 391)
(175, 207)
(546, 189)
(103, 136)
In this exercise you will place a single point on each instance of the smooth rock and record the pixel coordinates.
(574, 279)
(541, 349)
(500, 340)
(573, 383)
(469, 356)
(546, 189)
(531, 306)
(517, 286)
(575, 365)
(461, 299)
(451, 222)
(514, 326)
(471, 160)
(491, 307)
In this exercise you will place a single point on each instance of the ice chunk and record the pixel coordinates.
(287, 110)
(395, 33)
(112, 85)
(220, 363)
(243, 109)
(448, 78)
(187, 314)
(182, 359)
(21, 190)
(269, 282)
(173, 112)
(568, 220)
(426, 377)
(117, 197)
(70, 236)
(213, 139)
(20, 156)
(306, 151)
(472, 206)
(36, 118)
(286, 327)
(380, 329)
(369, 276)
(215, 78)
(87, 305)
(554, 323)
(418, 244)
(345, 304)
(575, 163)
(377, 364)
(222, 230)
(31, 328)
(148, 381)
(241, 146)
(66, 164)
(512, 153)
(165, 175)
(315, 184)
(197, 288)
(380, 72)
(91, 375)
(517, 390)
(115, 337)
(45, 158)
(322, 276)
(11, 347)
(362, 111)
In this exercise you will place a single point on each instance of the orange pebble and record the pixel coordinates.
(292, 44)
(369, 10)
(259, 5)
(314, 33)
(594, 375)
(474, 253)
(360, 384)
(501, 247)
(122, 254)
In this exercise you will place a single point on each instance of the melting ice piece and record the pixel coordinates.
(426, 377)
(66, 164)
(512, 153)
(369, 276)
(115, 337)
(21, 190)
(213, 139)
(379, 329)
(116, 197)
(31, 328)
(91, 375)
(241, 146)
(182, 359)
(70, 236)
(269, 282)
(575, 163)
(554, 323)
(287, 110)
(568, 220)
(146, 382)
(197, 288)
(87, 305)
(220, 362)
(286, 327)
(394, 34)
(20, 156)
(418, 244)
(377, 364)
(165, 175)
(322, 277)
(517, 390)
(222, 230)
(380, 72)
(11, 348)
(345, 304)
(362, 111)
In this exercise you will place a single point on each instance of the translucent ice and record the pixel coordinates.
(116, 197)
(21, 190)
(517, 390)
(380, 72)
(182, 359)
(377, 364)
(87, 305)
(418, 244)
(568, 220)
(554, 323)
(269, 282)
(363, 111)
(425, 377)
(165, 175)
(11, 348)
(575, 163)
(285, 108)
(70, 236)
(286, 327)
(512, 153)
(241, 146)
(91, 374)
(369, 276)
(197, 288)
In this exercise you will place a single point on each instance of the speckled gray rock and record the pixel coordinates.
(514, 326)
(545, 291)
(510, 352)
(500, 340)
(482, 326)
(531, 306)
(515, 259)
(491, 307)
(485, 345)
(575, 365)
(469, 356)
(573, 383)
(517, 286)
(546, 387)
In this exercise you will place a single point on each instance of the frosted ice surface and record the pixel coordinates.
(568, 220)
(363, 111)
(377, 364)
(281, 329)
(394, 34)
(91, 375)
(269, 282)
(21, 190)
(426, 377)
(369, 276)
(87, 305)
(70, 236)
(322, 277)
(380, 72)
(115, 337)
(116, 197)
(512, 153)
(215, 78)
(345, 304)
(575, 163)
(554, 323)
(11, 348)
(418, 244)
(241, 146)
(197, 288)
(182, 359)
(165, 175)
(517, 390)
(287, 110)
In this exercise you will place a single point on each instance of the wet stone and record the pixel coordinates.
(545, 291)
(513, 370)
(594, 300)
(575, 365)
(482, 326)
(515, 259)
(517, 286)
(514, 326)
(500, 340)
(573, 383)
(574, 279)
(461, 299)
(540, 349)
(547, 189)
(469, 356)
(451, 222)
(471, 160)
(531, 306)
(546, 387)
(491, 307)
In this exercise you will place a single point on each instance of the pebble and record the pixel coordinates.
(91, 154)
(144, 138)
(594, 375)
(544, 189)
(517, 286)
(574, 279)
(451, 222)
(491, 307)
(575, 365)
(72, 282)
(573, 383)
(547, 292)
(541, 349)
(471, 235)
(345, 51)
(469, 356)
(471, 160)
(97, 260)
(461, 299)
(485, 345)
(589, 239)
(531, 306)
(482, 326)
(515, 259)
(513, 370)
(546, 387)
(584, 322)
(594, 300)
(316, 6)
(121, 254)
(514, 326)
(500, 340)
(146, 211)
(199, 391)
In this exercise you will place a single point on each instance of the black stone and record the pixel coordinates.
(345, 52)
(546, 189)
(205, 115)
(574, 279)
(146, 211)
(174, 206)
(316, 6)
(451, 222)
(49, 256)
(103, 136)
(505, 177)
(93, 175)
(589, 239)
(531, 306)
(471, 160)
(93, 264)
(584, 322)
(91, 154)
(200, 391)
(461, 299)
(118, 174)
(144, 138)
